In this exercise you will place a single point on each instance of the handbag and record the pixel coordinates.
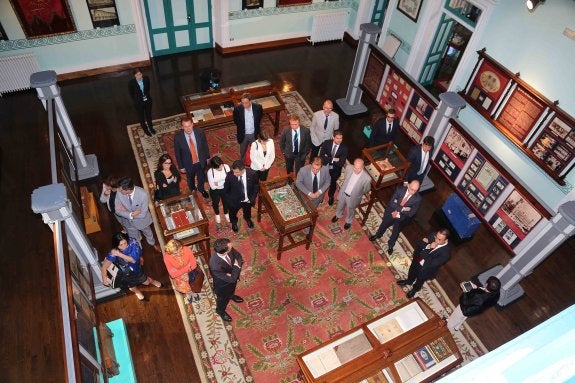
(115, 276)
(196, 279)
(248, 158)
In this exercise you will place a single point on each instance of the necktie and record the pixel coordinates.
(404, 200)
(228, 260)
(241, 179)
(333, 151)
(295, 144)
(314, 185)
(388, 127)
(325, 123)
(193, 150)
(130, 198)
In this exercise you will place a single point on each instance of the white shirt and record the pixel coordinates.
(352, 181)
(217, 177)
(424, 160)
(244, 181)
(293, 132)
(318, 181)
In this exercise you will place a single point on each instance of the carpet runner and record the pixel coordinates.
(296, 303)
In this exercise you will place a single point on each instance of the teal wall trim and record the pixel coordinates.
(274, 11)
(66, 38)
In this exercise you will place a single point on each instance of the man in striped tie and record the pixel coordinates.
(192, 153)
(399, 211)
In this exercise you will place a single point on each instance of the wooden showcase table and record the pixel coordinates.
(184, 218)
(387, 167)
(211, 109)
(291, 212)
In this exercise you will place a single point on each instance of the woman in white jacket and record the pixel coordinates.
(262, 155)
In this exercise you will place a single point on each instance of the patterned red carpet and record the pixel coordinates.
(298, 302)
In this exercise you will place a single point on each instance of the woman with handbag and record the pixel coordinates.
(167, 178)
(183, 269)
(127, 256)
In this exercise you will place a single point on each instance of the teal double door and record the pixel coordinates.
(179, 25)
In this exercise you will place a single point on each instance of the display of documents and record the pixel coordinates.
(337, 353)
(268, 102)
(397, 323)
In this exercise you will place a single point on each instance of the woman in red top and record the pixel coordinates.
(182, 267)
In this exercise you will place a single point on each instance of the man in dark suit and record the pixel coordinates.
(192, 153)
(419, 157)
(132, 205)
(399, 211)
(139, 88)
(240, 191)
(431, 252)
(247, 117)
(334, 154)
(384, 130)
(225, 267)
(295, 144)
(313, 180)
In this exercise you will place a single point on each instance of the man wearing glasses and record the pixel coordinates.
(384, 130)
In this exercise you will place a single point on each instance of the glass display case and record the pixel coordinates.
(184, 218)
(293, 214)
(211, 109)
(387, 167)
(407, 344)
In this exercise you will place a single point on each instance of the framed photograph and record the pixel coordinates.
(287, 3)
(103, 13)
(44, 18)
(252, 4)
(410, 8)
(2, 33)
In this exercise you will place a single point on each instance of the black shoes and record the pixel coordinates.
(330, 201)
(237, 299)
(235, 227)
(152, 130)
(347, 226)
(225, 316)
(205, 194)
(403, 282)
(334, 219)
(374, 237)
(148, 133)
(411, 293)
(250, 223)
(389, 250)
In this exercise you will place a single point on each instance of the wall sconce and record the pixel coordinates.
(532, 4)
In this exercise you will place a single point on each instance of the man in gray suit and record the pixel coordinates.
(357, 182)
(295, 143)
(313, 180)
(323, 124)
(132, 204)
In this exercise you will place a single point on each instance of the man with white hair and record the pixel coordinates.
(357, 182)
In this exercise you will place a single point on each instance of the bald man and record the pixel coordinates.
(357, 182)
(323, 124)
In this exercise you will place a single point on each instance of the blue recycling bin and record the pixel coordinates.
(462, 219)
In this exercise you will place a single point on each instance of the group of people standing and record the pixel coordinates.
(236, 188)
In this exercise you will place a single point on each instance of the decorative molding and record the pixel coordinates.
(67, 38)
(275, 11)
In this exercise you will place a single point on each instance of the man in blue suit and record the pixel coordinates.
(192, 153)
(399, 211)
(419, 157)
(247, 117)
(225, 267)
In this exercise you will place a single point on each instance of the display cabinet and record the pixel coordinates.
(184, 218)
(211, 109)
(410, 343)
(292, 212)
(387, 167)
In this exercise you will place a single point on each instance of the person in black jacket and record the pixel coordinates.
(474, 302)
(139, 88)
(225, 267)
(240, 192)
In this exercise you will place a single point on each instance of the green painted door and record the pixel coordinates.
(437, 49)
(179, 25)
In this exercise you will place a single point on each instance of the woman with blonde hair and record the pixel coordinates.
(182, 267)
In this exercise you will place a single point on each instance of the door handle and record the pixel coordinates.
(189, 18)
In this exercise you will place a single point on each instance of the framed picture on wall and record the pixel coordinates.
(44, 18)
(103, 13)
(287, 3)
(410, 8)
(2, 33)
